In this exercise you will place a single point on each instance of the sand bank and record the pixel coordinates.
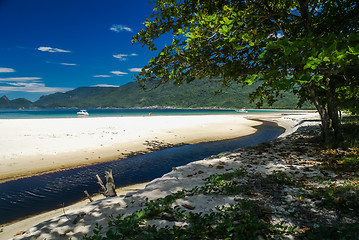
(290, 122)
(56, 225)
(34, 146)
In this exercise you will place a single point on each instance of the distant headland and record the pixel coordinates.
(200, 94)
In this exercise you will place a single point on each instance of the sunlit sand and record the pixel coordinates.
(112, 134)
(33, 146)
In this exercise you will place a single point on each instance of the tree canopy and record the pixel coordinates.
(310, 48)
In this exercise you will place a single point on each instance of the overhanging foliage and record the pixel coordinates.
(310, 48)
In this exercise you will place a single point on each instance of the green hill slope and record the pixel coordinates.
(198, 94)
(57, 99)
(16, 103)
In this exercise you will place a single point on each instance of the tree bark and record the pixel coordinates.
(326, 126)
(109, 190)
(333, 111)
(110, 184)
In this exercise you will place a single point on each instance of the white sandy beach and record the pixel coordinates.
(32, 146)
(90, 138)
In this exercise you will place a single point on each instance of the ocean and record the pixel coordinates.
(72, 113)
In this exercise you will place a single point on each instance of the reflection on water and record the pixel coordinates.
(29, 196)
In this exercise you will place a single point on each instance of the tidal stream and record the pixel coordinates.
(29, 196)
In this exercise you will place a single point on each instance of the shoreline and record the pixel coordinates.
(12, 228)
(167, 107)
(112, 153)
(39, 146)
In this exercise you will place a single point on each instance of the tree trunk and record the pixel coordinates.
(326, 126)
(110, 184)
(331, 130)
(333, 111)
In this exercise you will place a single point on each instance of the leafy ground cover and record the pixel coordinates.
(290, 188)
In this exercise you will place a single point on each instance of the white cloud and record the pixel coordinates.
(135, 69)
(18, 83)
(69, 64)
(50, 49)
(104, 85)
(19, 79)
(32, 87)
(119, 28)
(61, 63)
(121, 57)
(6, 70)
(28, 84)
(101, 76)
(118, 73)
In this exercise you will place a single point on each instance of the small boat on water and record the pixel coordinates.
(243, 110)
(82, 113)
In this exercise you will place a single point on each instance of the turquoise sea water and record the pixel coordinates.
(71, 113)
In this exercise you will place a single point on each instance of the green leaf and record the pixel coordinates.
(226, 8)
(341, 57)
(251, 79)
(220, 37)
(326, 59)
(308, 65)
(287, 51)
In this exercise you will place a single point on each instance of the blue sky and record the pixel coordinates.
(49, 46)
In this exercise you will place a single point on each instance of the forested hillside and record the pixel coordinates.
(16, 103)
(198, 94)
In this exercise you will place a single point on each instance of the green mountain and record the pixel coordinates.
(73, 96)
(201, 93)
(16, 103)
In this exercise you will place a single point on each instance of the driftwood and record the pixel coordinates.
(88, 196)
(109, 190)
(99, 181)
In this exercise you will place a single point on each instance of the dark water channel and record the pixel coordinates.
(32, 195)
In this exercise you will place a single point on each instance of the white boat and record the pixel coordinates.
(82, 113)
(243, 110)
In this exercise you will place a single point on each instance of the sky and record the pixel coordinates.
(49, 46)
